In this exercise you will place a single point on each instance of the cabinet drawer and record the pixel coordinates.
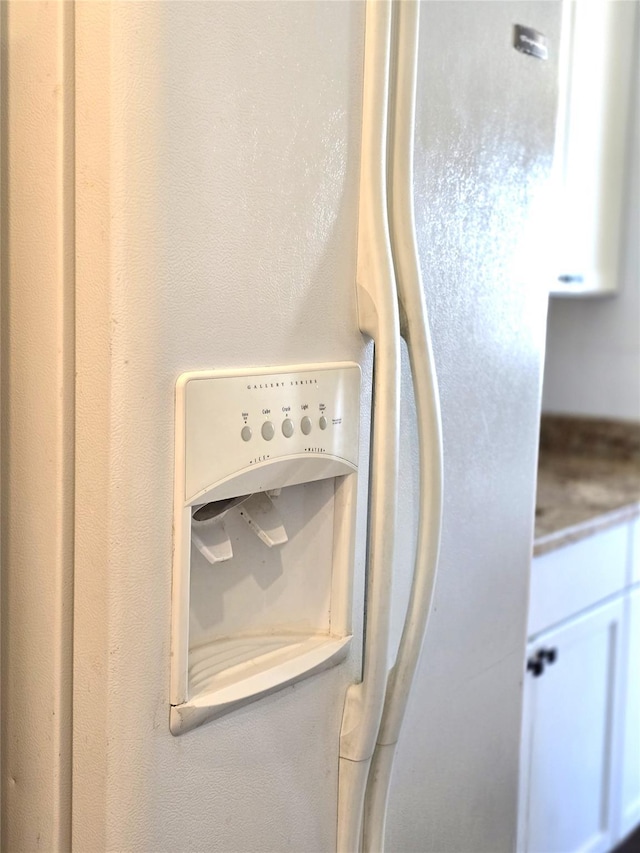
(570, 579)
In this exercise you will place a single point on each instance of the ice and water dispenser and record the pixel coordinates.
(265, 493)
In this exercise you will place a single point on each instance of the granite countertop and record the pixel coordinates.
(588, 479)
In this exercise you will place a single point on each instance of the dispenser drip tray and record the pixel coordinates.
(231, 672)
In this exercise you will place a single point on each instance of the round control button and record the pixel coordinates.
(287, 428)
(246, 433)
(305, 425)
(322, 423)
(268, 430)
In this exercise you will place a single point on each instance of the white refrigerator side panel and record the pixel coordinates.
(484, 134)
(217, 180)
(37, 423)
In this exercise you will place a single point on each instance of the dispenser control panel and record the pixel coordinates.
(234, 420)
(263, 527)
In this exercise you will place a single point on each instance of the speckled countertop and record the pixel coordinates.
(588, 479)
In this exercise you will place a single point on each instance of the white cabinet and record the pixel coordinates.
(580, 749)
(570, 737)
(629, 812)
(634, 552)
(595, 101)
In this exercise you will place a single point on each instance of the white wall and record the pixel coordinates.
(593, 345)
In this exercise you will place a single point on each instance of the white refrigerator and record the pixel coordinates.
(181, 194)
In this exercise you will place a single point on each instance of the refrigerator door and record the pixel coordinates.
(483, 146)
(218, 161)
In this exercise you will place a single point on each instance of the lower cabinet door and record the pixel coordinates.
(569, 738)
(630, 773)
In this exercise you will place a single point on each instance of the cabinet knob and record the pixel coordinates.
(535, 665)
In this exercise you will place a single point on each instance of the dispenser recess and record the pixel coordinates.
(264, 513)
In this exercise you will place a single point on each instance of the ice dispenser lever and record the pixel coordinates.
(208, 533)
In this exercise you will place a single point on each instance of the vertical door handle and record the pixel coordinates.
(415, 329)
(378, 319)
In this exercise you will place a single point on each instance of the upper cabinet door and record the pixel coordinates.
(591, 151)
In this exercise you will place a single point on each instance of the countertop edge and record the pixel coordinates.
(589, 527)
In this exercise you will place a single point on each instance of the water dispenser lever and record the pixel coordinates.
(262, 517)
